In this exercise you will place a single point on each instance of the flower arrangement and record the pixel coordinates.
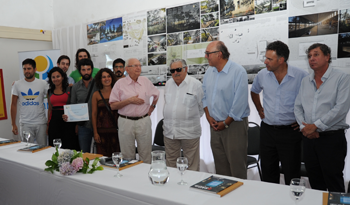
(70, 162)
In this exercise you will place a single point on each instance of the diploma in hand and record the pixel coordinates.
(77, 112)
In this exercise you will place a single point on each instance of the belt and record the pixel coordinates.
(332, 132)
(279, 127)
(133, 118)
(57, 108)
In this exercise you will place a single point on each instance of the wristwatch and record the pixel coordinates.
(153, 106)
(226, 126)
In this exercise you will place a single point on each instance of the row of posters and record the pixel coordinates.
(158, 36)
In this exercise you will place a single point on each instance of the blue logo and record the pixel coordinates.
(30, 95)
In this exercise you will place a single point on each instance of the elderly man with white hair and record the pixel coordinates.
(182, 112)
(131, 97)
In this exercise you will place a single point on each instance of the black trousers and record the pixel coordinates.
(280, 144)
(325, 160)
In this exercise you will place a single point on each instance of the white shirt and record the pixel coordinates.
(183, 109)
(31, 100)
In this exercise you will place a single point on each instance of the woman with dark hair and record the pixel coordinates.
(57, 96)
(104, 120)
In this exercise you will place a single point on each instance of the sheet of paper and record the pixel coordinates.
(77, 112)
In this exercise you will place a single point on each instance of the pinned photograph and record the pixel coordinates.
(174, 39)
(265, 6)
(313, 25)
(156, 20)
(149, 70)
(344, 20)
(183, 18)
(210, 34)
(156, 58)
(344, 45)
(209, 6)
(252, 71)
(202, 69)
(93, 33)
(197, 69)
(235, 8)
(112, 30)
(192, 69)
(156, 74)
(156, 43)
(191, 37)
(199, 77)
(210, 20)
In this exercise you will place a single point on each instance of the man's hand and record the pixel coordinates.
(220, 126)
(212, 122)
(308, 129)
(70, 85)
(15, 130)
(151, 108)
(136, 100)
(295, 126)
(313, 135)
(261, 113)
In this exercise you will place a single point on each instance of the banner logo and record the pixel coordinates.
(43, 66)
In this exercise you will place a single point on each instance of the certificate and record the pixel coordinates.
(76, 112)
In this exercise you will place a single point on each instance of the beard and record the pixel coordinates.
(119, 74)
(29, 76)
(86, 77)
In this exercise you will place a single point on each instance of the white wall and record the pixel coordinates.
(68, 13)
(10, 66)
(33, 14)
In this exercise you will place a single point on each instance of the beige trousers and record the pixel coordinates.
(139, 130)
(190, 149)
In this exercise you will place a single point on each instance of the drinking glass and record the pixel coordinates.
(117, 158)
(57, 143)
(297, 187)
(182, 165)
(26, 135)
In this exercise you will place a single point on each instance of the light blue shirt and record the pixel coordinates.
(226, 92)
(278, 99)
(327, 106)
(70, 80)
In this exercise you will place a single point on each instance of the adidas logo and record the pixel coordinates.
(30, 95)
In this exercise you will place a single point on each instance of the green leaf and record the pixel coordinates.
(50, 163)
(84, 170)
(87, 161)
(99, 168)
(54, 158)
(95, 162)
(91, 171)
(57, 153)
(49, 170)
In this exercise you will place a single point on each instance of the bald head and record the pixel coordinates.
(133, 67)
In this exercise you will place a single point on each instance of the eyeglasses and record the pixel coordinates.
(117, 67)
(207, 53)
(134, 66)
(176, 69)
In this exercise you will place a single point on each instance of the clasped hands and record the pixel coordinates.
(217, 126)
(309, 131)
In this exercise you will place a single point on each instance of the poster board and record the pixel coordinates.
(3, 112)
